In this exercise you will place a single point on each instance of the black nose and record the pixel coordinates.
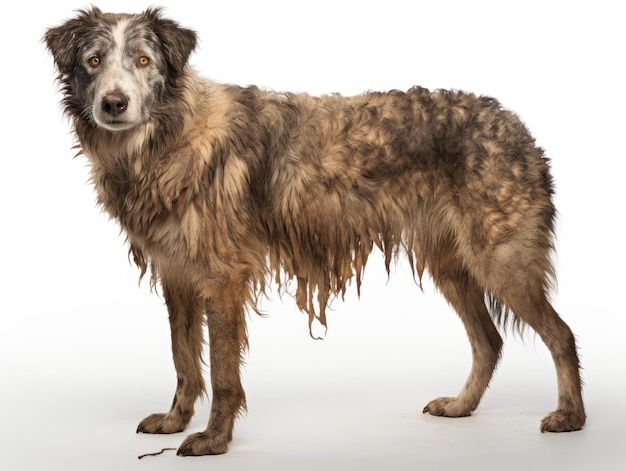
(114, 104)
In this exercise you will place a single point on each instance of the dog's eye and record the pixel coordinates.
(143, 61)
(94, 61)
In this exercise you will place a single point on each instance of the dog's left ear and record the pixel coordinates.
(178, 42)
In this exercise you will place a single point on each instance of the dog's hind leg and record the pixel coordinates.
(467, 298)
(227, 342)
(517, 275)
(530, 304)
(186, 315)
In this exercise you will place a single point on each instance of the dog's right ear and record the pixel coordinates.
(63, 43)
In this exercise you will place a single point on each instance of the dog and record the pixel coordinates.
(221, 188)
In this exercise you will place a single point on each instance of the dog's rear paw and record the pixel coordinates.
(202, 443)
(162, 423)
(447, 407)
(563, 421)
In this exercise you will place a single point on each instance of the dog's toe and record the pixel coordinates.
(161, 423)
(562, 421)
(202, 443)
(447, 407)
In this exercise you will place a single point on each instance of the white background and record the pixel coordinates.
(84, 351)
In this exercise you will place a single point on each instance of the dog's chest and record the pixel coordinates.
(158, 212)
(132, 201)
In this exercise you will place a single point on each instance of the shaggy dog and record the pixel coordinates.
(220, 188)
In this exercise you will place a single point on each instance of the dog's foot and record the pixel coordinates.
(202, 443)
(563, 421)
(447, 407)
(162, 423)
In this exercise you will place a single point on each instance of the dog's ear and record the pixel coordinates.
(63, 42)
(178, 42)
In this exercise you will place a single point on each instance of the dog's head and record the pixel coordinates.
(116, 69)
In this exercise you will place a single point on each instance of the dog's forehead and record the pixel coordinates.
(137, 31)
(120, 31)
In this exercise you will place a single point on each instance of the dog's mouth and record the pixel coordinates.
(115, 125)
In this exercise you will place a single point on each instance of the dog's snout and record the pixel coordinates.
(114, 104)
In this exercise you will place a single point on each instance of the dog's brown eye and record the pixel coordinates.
(94, 61)
(143, 61)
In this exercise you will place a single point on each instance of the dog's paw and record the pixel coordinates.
(447, 407)
(202, 443)
(563, 421)
(161, 423)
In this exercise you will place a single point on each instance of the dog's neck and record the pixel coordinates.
(112, 151)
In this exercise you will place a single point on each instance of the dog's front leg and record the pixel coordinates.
(227, 342)
(186, 314)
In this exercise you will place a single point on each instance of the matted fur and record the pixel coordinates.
(221, 188)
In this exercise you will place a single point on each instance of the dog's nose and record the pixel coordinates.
(114, 104)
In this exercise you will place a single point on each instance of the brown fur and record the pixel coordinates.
(223, 187)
